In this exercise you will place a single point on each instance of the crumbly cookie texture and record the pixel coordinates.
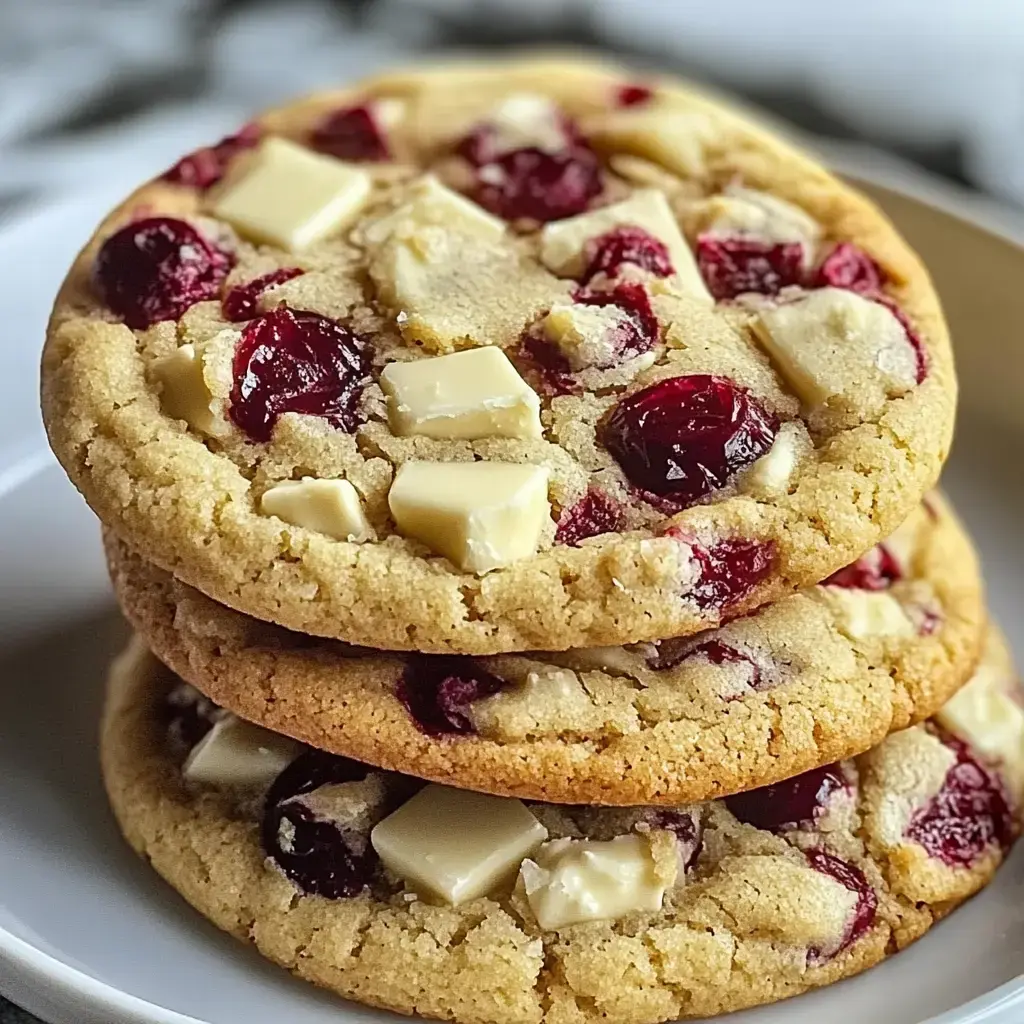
(687, 912)
(718, 373)
(822, 675)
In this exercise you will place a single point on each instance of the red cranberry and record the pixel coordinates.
(850, 267)
(670, 653)
(687, 828)
(633, 95)
(852, 878)
(544, 359)
(685, 437)
(626, 246)
(293, 361)
(438, 691)
(352, 133)
(240, 301)
(639, 331)
(877, 570)
(190, 716)
(730, 570)
(206, 166)
(595, 513)
(970, 813)
(321, 857)
(735, 266)
(154, 269)
(795, 803)
(929, 623)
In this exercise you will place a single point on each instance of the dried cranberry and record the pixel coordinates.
(438, 691)
(730, 570)
(688, 830)
(638, 331)
(622, 246)
(190, 716)
(154, 269)
(240, 301)
(206, 166)
(969, 814)
(321, 857)
(633, 95)
(595, 513)
(293, 361)
(849, 267)
(852, 878)
(877, 570)
(685, 437)
(795, 803)
(735, 266)
(352, 133)
(543, 358)
(929, 622)
(532, 184)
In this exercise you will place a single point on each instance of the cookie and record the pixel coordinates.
(822, 675)
(487, 359)
(538, 912)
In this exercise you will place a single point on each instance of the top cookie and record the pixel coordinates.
(489, 359)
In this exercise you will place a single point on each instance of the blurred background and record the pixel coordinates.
(100, 93)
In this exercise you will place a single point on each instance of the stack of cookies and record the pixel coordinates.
(520, 481)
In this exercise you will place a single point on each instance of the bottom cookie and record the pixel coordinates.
(472, 908)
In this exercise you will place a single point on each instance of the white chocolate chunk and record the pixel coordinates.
(675, 139)
(585, 335)
(239, 755)
(615, 661)
(577, 880)
(455, 844)
(866, 614)
(744, 211)
(563, 243)
(833, 344)
(327, 506)
(471, 394)
(770, 475)
(291, 197)
(389, 111)
(480, 515)
(542, 697)
(184, 391)
(524, 120)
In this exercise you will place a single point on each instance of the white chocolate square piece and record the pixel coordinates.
(760, 215)
(526, 120)
(866, 614)
(577, 880)
(327, 506)
(564, 242)
(832, 344)
(480, 515)
(184, 392)
(585, 335)
(471, 394)
(454, 844)
(239, 755)
(291, 197)
(675, 139)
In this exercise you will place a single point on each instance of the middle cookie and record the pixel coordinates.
(818, 677)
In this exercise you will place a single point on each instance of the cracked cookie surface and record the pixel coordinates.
(523, 364)
(794, 888)
(822, 675)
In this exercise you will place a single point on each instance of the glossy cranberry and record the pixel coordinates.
(352, 133)
(240, 302)
(293, 361)
(438, 691)
(206, 166)
(968, 816)
(595, 513)
(852, 878)
(626, 246)
(795, 803)
(190, 716)
(154, 269)
(538, 356)
(730, 570)
(638, 330)
(534, 185)
(736, 266)
(633, 95)
(877, 570)
(687, 828)
(685, 437)
(321, 857)
(850, 267)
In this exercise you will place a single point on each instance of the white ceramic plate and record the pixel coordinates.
(88, 935)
